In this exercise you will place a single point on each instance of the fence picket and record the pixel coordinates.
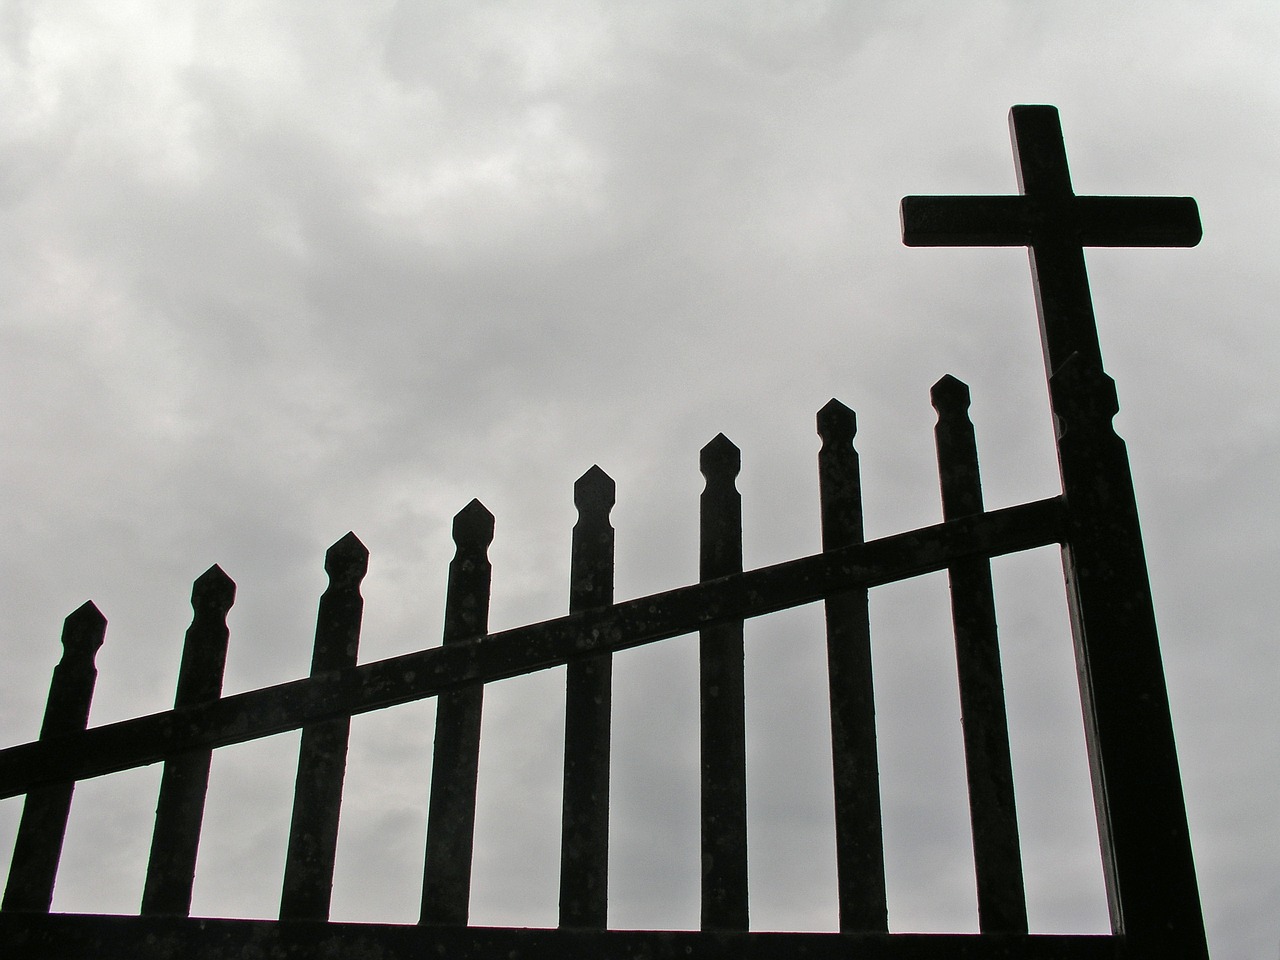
(322, 754)
(860, 875)
(175, 839)
(722, 698)
(584, 835)
(451, 815)
(997, 856)
(43, 825)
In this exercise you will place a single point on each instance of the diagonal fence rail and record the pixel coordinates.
(438, 670)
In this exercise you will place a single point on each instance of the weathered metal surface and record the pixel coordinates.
(428, 673)
(1146, 849)
(722, 701)
(322, 754)
(584, 833)
(861, 894)
(997, 856)
(455, 764)
(175, 839)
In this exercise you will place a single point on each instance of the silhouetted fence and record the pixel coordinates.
(1147, 862)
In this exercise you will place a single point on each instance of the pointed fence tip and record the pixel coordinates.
(347, 559)
(595, 487)
(720, 455)
(594, 474)
(215, 574)
(720, 440)
(474, 508)
(87, 613)
(215, 587)
(949, 393)
(83, 631)
(474, 521)
(348, 545)
(837, 422)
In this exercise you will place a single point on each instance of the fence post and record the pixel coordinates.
(855, 762)
(1142, 820)
(451, 814)
(722, 698)
(175, 839)
(322, 754)
(43, 826)
(997, 855)
(584, 834)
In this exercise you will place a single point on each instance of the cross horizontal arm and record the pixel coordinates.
(427, 673)
(1020, 221)
(966, 221)
(1137, 221)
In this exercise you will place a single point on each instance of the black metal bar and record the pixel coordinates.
(722, 699)
(860, 877)
(584, 833)
(1015, 221)
(43, 826)
(1146, 850)
(1146, 845)
(79, 937)
(431, 672)
(175, 839)
(997, 855)
(322, 755)
(451, 815)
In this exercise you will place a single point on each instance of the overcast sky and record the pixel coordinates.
(274, 271)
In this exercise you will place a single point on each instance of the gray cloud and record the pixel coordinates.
(274, 272)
